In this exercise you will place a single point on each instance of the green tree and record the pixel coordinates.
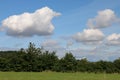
(82, 65)
(49, 60)
(68, 63)
(117, 65)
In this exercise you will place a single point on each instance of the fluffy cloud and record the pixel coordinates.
(69, 43)
(30, 24)
(113, 39)
(104, 18)
(50, 44)
(89, 36)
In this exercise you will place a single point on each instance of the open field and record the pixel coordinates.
(56, 76)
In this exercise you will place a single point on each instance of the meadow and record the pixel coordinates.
(57, 76)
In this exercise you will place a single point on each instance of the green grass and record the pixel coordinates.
(56, 76)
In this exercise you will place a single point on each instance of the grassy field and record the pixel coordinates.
(56, 76)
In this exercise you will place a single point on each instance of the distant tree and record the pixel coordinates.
(82, 65)
(49, 60)
(37, 60)
(3, 64)
(68, 63)
(31, 58)
(117, 65)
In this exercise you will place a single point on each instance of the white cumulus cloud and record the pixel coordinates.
(113, 39)
(89, 36)
(104, 18)
(30, 24)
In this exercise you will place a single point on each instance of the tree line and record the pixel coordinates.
(35, 59)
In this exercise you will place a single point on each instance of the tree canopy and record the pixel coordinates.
(37, 60)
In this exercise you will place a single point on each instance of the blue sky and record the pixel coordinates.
(88, 28)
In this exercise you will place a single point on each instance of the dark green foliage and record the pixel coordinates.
(82, 65)
(117, 65)
(36, 60)
(68, 63)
